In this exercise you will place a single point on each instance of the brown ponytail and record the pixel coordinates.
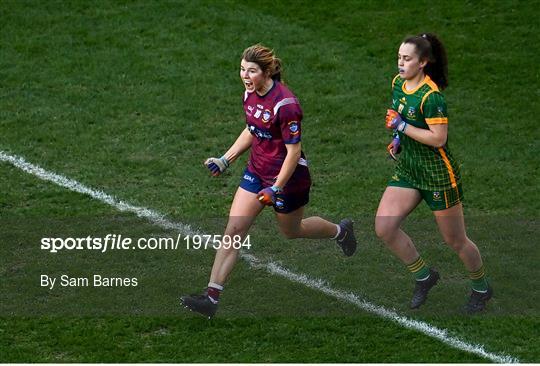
(265, 58)
(429, 47)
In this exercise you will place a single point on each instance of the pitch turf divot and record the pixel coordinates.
(158, 219)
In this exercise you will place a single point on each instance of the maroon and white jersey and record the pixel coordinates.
(274, 120)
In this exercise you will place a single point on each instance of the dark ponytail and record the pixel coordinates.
(429, 47)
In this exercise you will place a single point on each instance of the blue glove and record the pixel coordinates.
(394, 147)
(267, 196)
(217, 166)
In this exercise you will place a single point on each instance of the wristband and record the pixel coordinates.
(402, 126)
(224, 160)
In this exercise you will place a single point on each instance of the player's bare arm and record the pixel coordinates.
(436, 135)
(289, 165)
(241, 145)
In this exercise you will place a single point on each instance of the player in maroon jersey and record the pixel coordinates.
(276, 175)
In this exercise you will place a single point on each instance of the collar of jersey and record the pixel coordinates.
(409, 92)
(274, 82)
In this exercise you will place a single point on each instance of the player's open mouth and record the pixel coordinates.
(248, 84)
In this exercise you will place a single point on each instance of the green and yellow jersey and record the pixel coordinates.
(423, 166)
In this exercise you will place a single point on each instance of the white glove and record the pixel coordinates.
(217, 165)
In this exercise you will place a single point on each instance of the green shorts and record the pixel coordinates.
(436, 200)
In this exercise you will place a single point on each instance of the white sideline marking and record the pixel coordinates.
(422, 327)
(271, 267)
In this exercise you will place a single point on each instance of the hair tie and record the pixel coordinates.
(424, 35)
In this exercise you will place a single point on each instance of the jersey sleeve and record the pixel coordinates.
(290, 121)
(434, 109)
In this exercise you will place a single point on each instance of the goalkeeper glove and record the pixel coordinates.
(394, 147)
(267, 196)
(217, 166)
(394, 121)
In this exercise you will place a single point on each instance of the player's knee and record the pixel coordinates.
(236, 228)
(291, 233)
(384, 228)
(456, 242)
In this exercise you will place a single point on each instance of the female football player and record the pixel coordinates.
(276, 174)
(425, 169)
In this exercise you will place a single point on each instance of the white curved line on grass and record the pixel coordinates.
(271, 267)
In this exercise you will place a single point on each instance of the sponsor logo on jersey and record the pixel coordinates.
(258, 113)
(260, 106)
(266, 115)
(400, 108)
(436, 196)
(411, 113)
(440, 112)
(293, 127)
(250, 108)
(259, 133)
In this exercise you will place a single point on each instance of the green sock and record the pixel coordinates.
(478, 280)
(419, 269)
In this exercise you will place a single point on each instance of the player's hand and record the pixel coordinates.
(394, 147)
(267, 196)
(394, 121)
(217, 165)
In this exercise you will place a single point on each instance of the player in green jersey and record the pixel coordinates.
(425, 169)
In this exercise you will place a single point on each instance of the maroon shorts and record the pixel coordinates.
(295, 193)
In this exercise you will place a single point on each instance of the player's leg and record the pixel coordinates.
(451, 225)
(289, 208)
(396, 204)
(291, 221)
(293, 225)
(452, 228)
(244, 210)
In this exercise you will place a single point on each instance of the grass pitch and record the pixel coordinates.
(131, 97)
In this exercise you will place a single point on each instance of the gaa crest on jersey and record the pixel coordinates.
(293, 127)
(411, 113)
(266, 115)
(436, 196)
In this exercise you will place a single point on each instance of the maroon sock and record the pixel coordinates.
(213, 293)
